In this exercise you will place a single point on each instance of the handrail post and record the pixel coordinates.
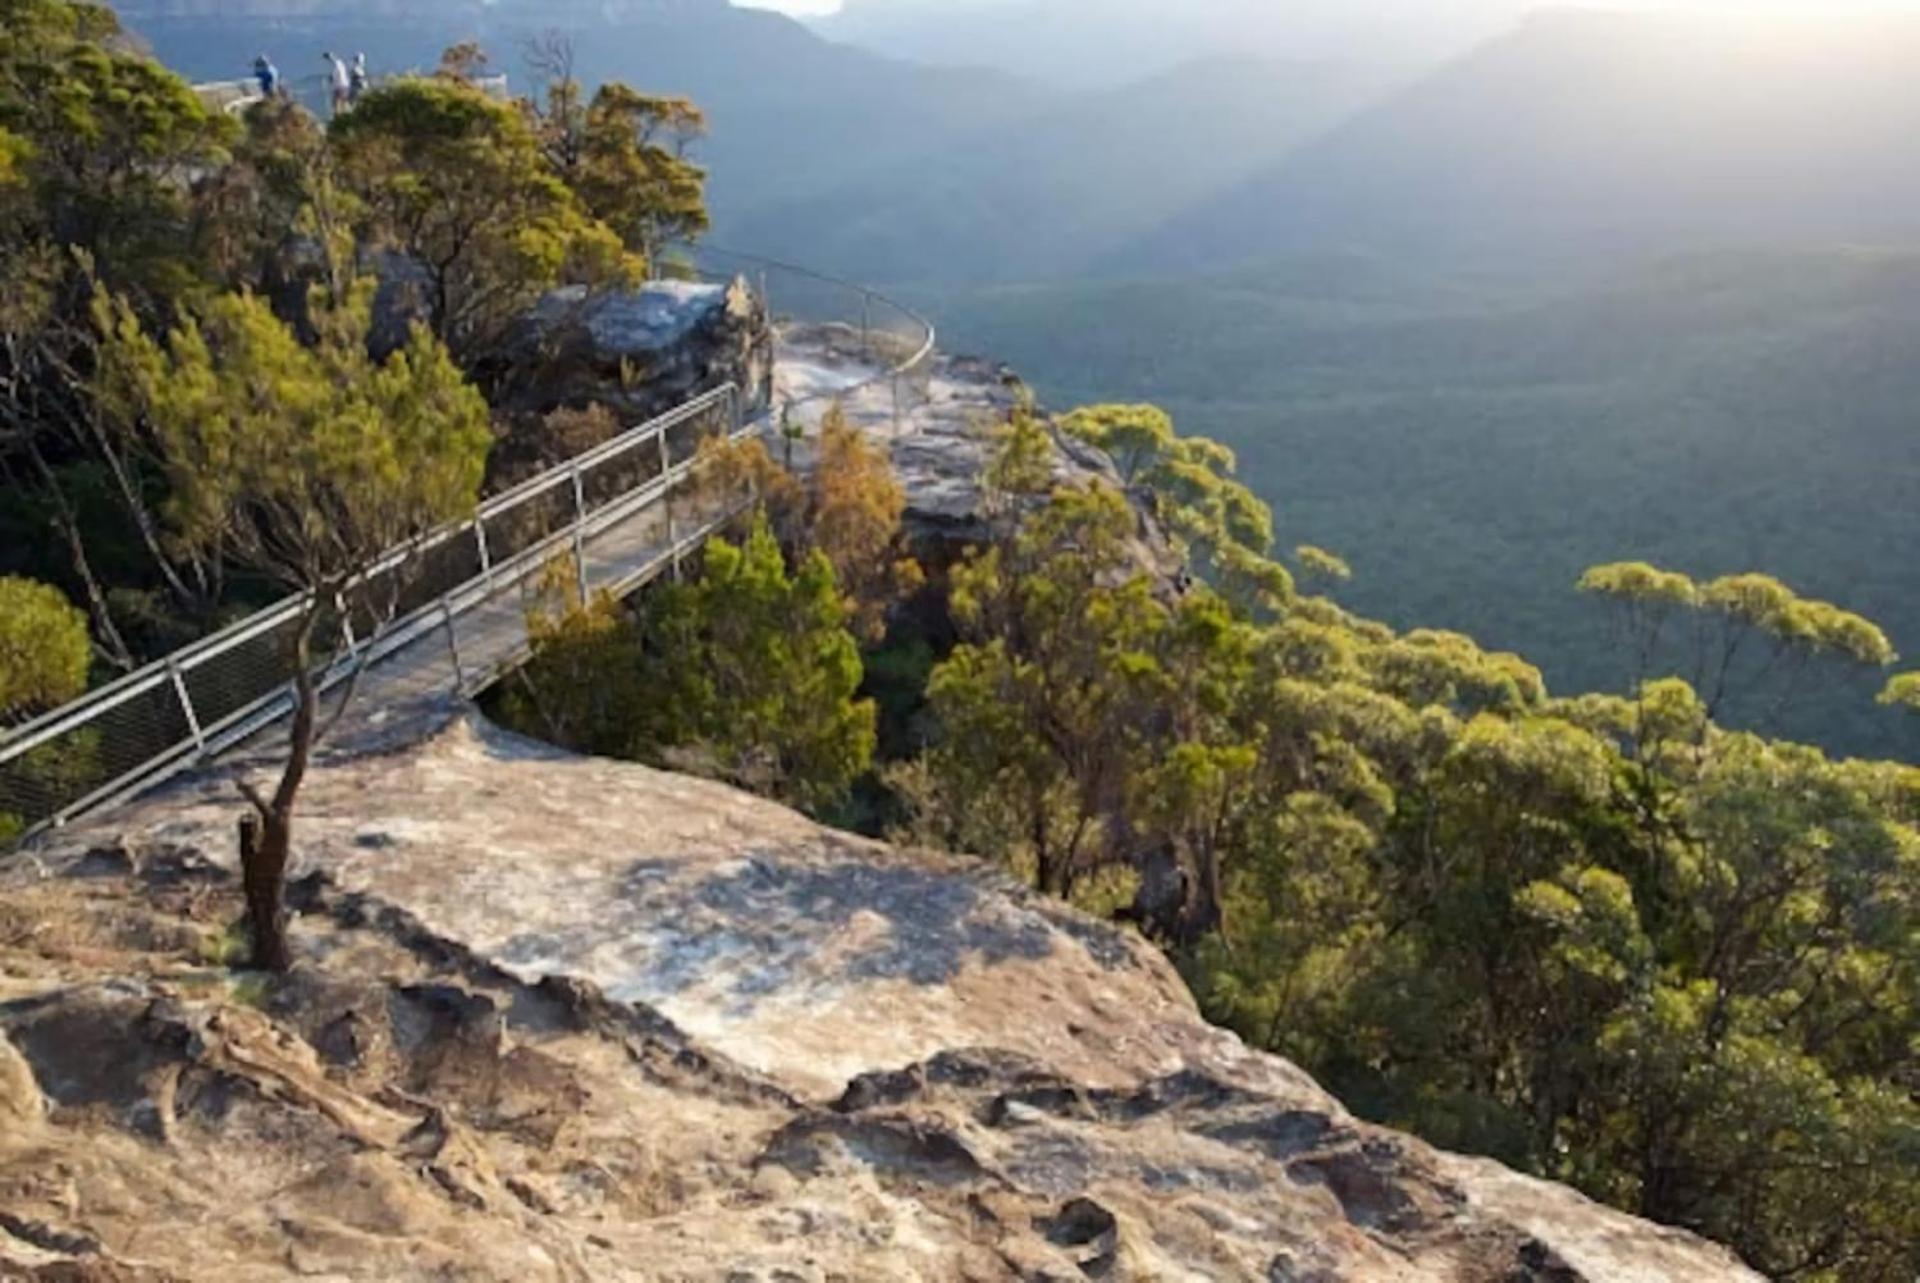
(453, 648)
(666, 501)
(580, 532)
(346, 627)
(486, 559)
(186, 704)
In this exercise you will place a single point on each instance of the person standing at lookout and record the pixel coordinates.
(268, 75)
(358, 79)
(342, 83)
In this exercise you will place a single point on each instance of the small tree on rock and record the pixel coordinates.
(306, 464)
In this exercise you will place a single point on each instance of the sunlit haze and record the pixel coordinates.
(816, 8)
(1090, 42)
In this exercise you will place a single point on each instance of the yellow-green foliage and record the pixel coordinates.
(102, 142)
(15, 151)
(1323, 564)
(847, 506)
(580, 690)
(1022, 462)
(1600, 938)
(1903, 691)
(307, 462)
(1726, 620)
(633, 174)
(754, 665)
(1222, 528)
(458, 182)
(749, 671)
(43, 648)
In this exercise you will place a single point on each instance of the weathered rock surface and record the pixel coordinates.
(567, 1019)
(639, 352)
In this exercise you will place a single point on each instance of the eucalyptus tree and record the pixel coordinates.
(305, 462)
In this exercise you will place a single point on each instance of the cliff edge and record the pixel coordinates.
(556, 1018)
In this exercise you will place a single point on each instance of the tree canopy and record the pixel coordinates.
(747, 672)
(44, 652)
(1600, 938)
(456, 182)
(307, 463)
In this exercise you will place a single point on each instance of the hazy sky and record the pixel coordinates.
(1105, 43)
(814, 7)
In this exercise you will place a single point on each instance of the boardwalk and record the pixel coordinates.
(619, 515)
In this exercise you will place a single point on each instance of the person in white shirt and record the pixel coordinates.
(342, 83)
(359, 79)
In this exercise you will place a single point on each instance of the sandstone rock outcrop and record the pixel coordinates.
(639, 352)
(567, 1019)
(938, 426)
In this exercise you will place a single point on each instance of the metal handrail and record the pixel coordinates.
(154, 742)
(205, 740)
(29, 735)
(920, 355)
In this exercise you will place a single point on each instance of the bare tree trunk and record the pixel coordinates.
(263, 872)
(109, 644)
(266, 837)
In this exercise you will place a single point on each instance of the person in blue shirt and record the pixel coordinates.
(268, 75)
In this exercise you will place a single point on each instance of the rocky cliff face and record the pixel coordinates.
(567, 1019)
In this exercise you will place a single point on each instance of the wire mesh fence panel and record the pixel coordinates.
(867, 343)
(615, 476)
(118, 743)
(526, 524)
(430, 574)
(238, 678)
(229, 686)
(684, 438)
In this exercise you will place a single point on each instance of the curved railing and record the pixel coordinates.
(851, 321)
(313, 91)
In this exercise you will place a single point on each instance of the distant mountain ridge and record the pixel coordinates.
(1106, 43)
(1595, 133)
(789, 112)
(870, 166)
(1048, 194)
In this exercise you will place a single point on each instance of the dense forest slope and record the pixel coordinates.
(1444, 325)
(1471, 446)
